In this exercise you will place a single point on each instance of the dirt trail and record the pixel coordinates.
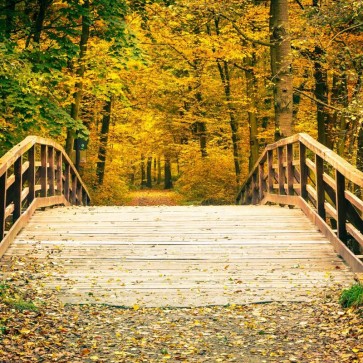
(154, 197)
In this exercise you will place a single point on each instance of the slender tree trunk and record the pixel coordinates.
(102, 150)
(281, 68)
(251, 87)
(155, 170)
(339, 97)
(75, 107)
(143, 173)
(168, 183)
(226, 81)
(149, 182)
(159, 171)
(9, 19)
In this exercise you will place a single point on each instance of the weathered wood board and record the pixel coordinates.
(180, 256)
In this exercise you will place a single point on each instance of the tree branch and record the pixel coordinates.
(243, 35)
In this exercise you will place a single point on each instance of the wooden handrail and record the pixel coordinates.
(36, 173)
(299, 171)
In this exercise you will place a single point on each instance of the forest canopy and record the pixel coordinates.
(180, 93)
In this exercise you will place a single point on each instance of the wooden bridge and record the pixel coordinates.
(309, 236)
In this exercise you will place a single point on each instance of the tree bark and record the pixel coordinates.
(102, 150)
(149, 182)
(75, 107)
(251, 93)
(168, 183)
(143, 173)
(9, 19)
(280, 53)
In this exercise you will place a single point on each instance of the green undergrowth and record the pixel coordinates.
(352, 297)
(13, 298)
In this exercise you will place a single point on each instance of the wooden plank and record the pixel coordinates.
(341, 206)
(3, 178)
(303, 171)
(44, 171)
(31, 175)
(176, 256)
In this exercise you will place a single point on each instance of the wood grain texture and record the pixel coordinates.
(180, 256)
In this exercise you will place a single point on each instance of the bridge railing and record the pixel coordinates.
(36, 173)
(299, 171)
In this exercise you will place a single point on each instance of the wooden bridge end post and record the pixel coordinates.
(18, 185)
(31, 174)
(341, 206)
(2, 204)
(303, 171)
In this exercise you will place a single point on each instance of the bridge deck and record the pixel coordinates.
(180, 256)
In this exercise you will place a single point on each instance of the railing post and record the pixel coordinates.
(79, 194)
(18, 184)
(271, 172)
(2, 204)
(261, 180)
(59, 172)
(341, 206)
(290, 169)
(74, 189)
(303, 171)
(67, 172)
(254, 187)
(31, 174)
(281, 176)
(43, 171)
(320, 192)
(51, 170)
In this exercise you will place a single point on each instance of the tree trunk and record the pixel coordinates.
(149, 182)
(339, 97)
(9, 19)
(159, 171)
(226, 81)
(168, 183)
(251, 87)
(102, 150)
(75, 107)
(143, 173)
(281, 68)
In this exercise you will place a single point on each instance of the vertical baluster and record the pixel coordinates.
(31, 174)
(261, 180)
(341, 205)
(303, 172)
(51, 170)
(281, 168)
(67, 172)
(59, 173)
(74, 189)
(290, 169)
(320, 192)
(271, 172)
(2, 203)
(79, 193)
(44, 171)
(254, 187)
(18, 185)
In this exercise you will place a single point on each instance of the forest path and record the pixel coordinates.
(154, 197)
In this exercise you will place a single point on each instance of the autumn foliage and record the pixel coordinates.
(180, 93)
